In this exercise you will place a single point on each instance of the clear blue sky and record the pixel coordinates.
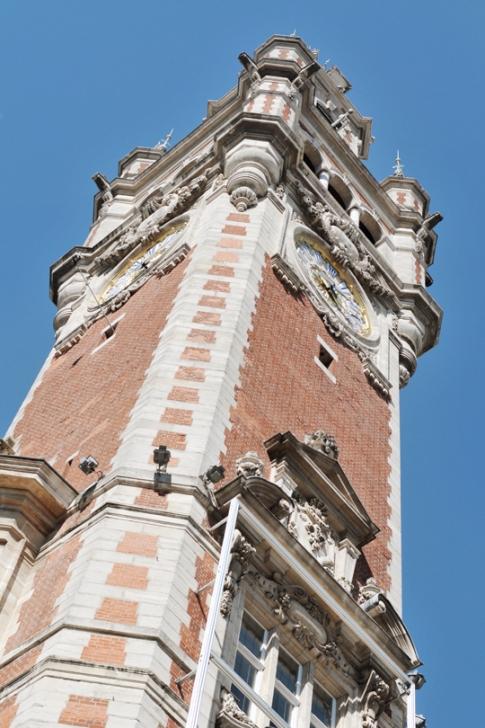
(82, 83)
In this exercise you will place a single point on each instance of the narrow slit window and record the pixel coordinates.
(109, 331)
(325, 357)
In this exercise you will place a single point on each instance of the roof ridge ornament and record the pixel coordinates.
(165, 144)
(398, 166)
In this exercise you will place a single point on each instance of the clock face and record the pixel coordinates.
(332, 285)
(141, 262)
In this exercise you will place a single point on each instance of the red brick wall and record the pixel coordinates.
(8, 710)
(17, 667)
(87, 712)
(282, 388)
(38, 612)
(84, 401)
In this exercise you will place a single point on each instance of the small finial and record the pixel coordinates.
(326, 64)
(165, 143)
(293, 34)
(398, 166)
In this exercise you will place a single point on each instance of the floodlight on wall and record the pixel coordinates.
(88, 465)
(420, 721)
(161, 458)
(418, 679)
(212, 475)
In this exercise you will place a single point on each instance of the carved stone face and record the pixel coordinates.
(332, 285)
(140, 263)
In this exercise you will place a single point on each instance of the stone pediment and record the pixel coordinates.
(314, 473)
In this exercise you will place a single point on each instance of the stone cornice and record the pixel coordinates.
(30, 489)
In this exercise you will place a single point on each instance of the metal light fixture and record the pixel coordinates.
(214, 474)
(161, 458)
(418, 679)
(88, 465)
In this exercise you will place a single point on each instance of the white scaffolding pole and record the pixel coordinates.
(210, 628)
(411, 706)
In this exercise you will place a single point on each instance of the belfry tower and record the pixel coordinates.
(222, 403)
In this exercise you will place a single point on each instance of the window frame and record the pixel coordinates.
(264, 689)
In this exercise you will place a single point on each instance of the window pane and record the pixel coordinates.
(252, 636)
(281, 706)
(287, 671)
(321, 705)
(244, 669)
(242, 700)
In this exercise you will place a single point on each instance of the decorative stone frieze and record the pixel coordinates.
(308, 622)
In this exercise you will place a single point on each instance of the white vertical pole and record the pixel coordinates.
(210, 628)
(411, 712)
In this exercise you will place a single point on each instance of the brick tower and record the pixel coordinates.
(234, 330)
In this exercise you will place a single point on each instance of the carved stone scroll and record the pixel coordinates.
(373, 699)
(241, 553)
(231, 715)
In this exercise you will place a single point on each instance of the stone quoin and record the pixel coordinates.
(250, 300)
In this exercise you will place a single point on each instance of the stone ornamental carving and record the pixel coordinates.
(250, 465)
(156, 211)
(242, 198)
(231, 715)
(344, 238)
(308, 523)
(310, 624)
(241, 554)
(323, 442)
(368, 590)
(375, 696)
